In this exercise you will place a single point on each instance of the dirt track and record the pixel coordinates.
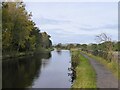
(105, 78)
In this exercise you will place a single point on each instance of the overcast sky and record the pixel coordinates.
(75, 22)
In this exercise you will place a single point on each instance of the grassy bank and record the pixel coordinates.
(112, 66)
(85, 74)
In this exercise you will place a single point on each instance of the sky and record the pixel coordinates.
(75, 22)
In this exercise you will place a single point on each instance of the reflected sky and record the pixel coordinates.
(55, 74)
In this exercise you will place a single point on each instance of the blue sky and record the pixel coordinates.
(75, 22)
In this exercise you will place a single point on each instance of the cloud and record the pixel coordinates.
(44, 20)
(107, 26)
(75, 22)
(110, 26)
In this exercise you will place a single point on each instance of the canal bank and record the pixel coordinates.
(85, 73)
(15, 54)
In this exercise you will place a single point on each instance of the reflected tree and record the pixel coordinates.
(20, 73)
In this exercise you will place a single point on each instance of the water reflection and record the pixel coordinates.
(59, 52)
(72, 74)
(42, 70)
(19, 73)
(55, 74)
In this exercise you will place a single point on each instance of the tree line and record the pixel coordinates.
(106, 48)
(92, 46)
(19, 31)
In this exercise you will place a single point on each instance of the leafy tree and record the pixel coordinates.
(78, 45)
(16, 25)
(46, 43)
(69, 46)
(59, 45)
(84, 47)
(19, 32)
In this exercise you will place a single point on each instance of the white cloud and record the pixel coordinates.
(66, 22)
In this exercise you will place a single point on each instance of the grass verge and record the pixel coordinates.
(85, 74)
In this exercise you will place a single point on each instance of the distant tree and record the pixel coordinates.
(118, 45)
(59, 45)
(84, 47)
(94, 48)
(78, 45)
(69, 46)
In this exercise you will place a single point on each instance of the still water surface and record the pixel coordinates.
(48, 70)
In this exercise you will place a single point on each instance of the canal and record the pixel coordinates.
(43, 70)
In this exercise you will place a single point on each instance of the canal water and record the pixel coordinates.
(48, 70)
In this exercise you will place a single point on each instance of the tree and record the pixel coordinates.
(69, 46)
(94, 48)
(108, 45)
(116, 46)
(84, 47)
(46, 42)
(59, 45)
(19, 32)
(78, 45)
(16, 25)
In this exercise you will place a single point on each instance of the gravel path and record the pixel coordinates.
(105, 78)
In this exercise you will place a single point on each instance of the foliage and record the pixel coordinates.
(46, 43)
(75, 58)
(19, 32)
(107, 44)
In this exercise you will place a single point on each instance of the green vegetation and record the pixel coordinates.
(19, 32)
(92, 46)
(113, 66)
(75, 58)
(85, 74)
